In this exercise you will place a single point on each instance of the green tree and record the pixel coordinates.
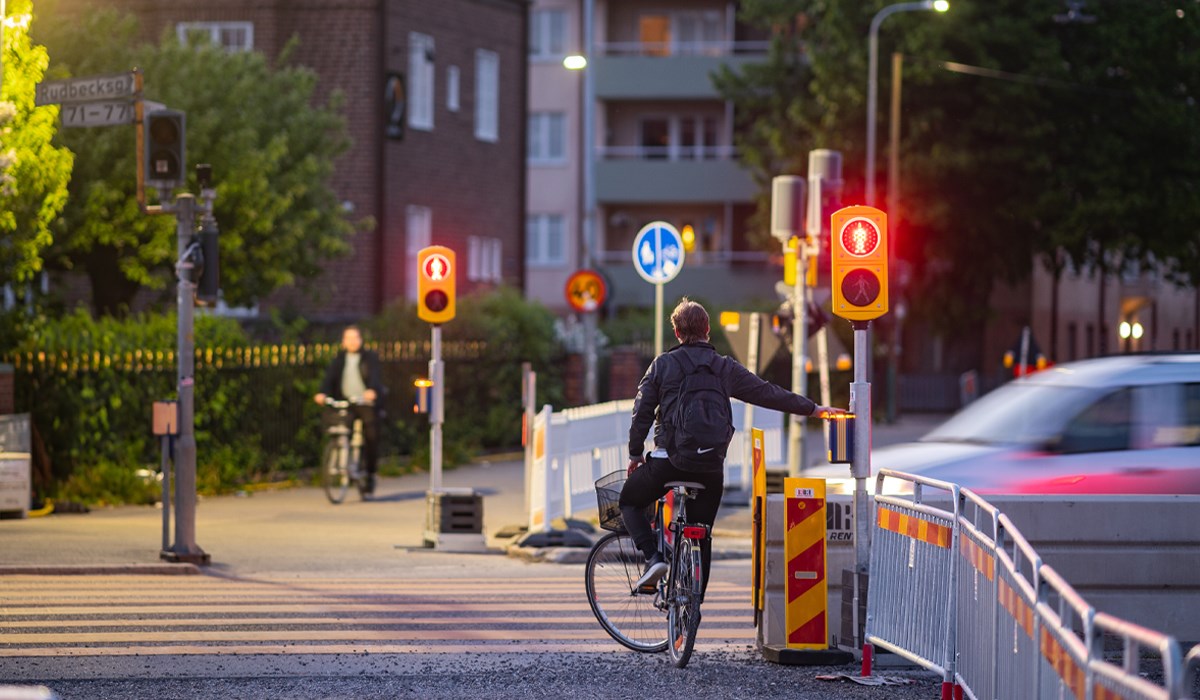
(272, 151)
(33, 173)
(1070, 142)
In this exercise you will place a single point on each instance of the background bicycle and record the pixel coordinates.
(341, 463)
(634, 616)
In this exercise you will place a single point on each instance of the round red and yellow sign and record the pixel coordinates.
(586, 290)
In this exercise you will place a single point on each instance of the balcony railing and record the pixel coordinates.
(683, 48)
(672, 153)
(699, 257)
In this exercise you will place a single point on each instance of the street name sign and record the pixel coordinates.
(119, 86)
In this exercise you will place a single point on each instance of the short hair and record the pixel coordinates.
(690, 321)
(353, 327)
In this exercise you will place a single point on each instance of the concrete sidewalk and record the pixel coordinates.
(298, 531)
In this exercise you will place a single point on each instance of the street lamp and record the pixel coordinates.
(873, 77)
(579, 62)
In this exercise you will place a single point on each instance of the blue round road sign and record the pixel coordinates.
(658, 252)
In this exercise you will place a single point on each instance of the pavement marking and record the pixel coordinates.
(127, 616)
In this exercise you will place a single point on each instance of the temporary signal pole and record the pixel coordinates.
(787, 220)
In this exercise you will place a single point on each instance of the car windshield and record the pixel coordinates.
(1015, 414)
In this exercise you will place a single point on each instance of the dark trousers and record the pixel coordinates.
(648, 483)
(370, 427)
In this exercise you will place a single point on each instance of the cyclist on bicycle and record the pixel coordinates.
(356, 375)
(658, 392)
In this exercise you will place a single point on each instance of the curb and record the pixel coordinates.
(102, 570)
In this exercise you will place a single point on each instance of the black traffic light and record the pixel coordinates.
(209, 285)
(165, 153)
(783, 320)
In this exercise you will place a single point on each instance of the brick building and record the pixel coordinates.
(457, 175)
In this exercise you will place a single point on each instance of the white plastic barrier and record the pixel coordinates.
(572, 448)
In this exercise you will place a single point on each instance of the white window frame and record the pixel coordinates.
(541, 144)
(452, 88)
(418, 234)
(538, 234)
(216, 30)
(483, 259)
(487, 95)
(542, 35)
(420, 81)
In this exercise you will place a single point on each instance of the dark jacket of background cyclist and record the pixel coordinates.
(659, 390)
(369, 366)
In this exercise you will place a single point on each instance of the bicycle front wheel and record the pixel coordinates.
(631, 618)
(683, 601)
(335, 475)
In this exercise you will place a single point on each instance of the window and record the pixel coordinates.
(483, 259)
(452, 88)
(418, 234)
(547, 142)
(233, 36)
(420, 81)
(698, 138)
(1072, 342)
(696, 33)
(656, 138)
(545, 239)
(548, 34)
(487, 95)
(1102, 427)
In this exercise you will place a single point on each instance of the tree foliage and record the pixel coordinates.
(33, 173)
(272, 151)
(1023, 137)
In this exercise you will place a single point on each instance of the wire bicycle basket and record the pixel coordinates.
(608, 500)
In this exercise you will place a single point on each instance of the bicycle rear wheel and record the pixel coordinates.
(631, 618)
(683, 601)
(335, 475)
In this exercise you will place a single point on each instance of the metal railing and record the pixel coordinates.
(719, 47)
(676, 153)
(957, 589)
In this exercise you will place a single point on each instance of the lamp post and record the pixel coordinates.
(579, 62)
(873, 77)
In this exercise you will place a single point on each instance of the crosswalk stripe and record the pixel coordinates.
(146, 615)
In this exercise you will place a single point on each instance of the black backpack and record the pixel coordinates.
(701, 420)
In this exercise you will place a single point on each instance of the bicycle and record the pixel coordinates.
(341, 463)
(633, 616)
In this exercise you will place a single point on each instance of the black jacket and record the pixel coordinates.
(368, 365)
(659, 389)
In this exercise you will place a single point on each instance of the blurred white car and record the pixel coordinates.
(1122, 424)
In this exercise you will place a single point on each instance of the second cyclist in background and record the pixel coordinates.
(694, 374)
(356, 375)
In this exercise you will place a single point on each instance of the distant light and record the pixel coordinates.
(1138, 331)
(575, 62)
(941, 5)
(689, 238)
(1124, 329)
(730, 320)
(843, 362)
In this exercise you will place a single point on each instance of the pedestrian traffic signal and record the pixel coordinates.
(165, 153)
(859, 263)
(435, 284)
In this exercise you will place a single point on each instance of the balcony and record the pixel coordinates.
(726, 279)
(665, 71)
(639, 175)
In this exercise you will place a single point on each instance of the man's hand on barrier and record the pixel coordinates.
(828, 412)
(634, 463)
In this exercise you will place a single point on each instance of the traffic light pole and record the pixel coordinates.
(860, 466)
(438, 415)
(185, 548)
(797, 425)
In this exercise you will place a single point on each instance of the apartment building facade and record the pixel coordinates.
(446, 78)
(659, 147)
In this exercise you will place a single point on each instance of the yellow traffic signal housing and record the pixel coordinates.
(436, 270)
(859, 263)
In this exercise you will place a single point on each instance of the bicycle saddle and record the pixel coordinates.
(686, 484)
